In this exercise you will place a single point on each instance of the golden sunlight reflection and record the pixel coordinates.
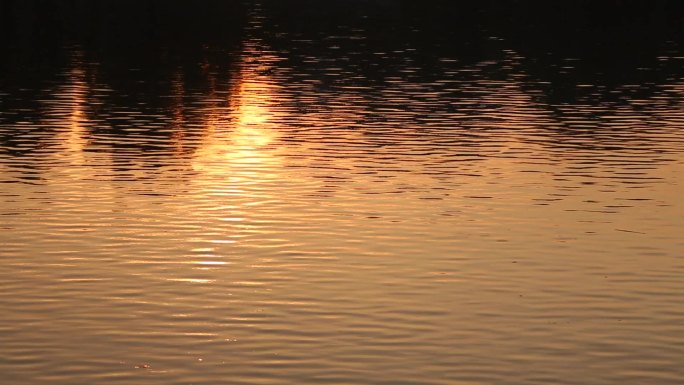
(254, 128)
(236, 139)
(70, 103)
(235, 164)
(68, 109)
(289, 205)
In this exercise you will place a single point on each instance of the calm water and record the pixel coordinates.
(335, 205)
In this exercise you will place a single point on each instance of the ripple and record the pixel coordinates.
(334, 204)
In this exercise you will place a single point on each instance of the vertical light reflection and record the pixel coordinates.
(70, 108)
(237, 138)
(236, 163)
(68, 111)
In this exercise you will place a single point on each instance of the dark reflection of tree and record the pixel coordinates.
(605, 55)
(137, 71)
(153, 73)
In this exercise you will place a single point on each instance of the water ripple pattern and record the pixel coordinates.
(314, 208)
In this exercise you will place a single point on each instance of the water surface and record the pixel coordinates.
(305, 205)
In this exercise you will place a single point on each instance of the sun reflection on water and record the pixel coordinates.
(236, 140)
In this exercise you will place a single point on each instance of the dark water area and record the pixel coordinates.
(342, 192)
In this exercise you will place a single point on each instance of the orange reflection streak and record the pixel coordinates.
(69, 112)
(236, 137)
(235, 164)
(254, 118)
(74, 137)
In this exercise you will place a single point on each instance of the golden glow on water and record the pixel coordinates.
(253, 97)
(235, 141)
(75, 141)
(254, 128)
(275, 221)
(71, 122)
